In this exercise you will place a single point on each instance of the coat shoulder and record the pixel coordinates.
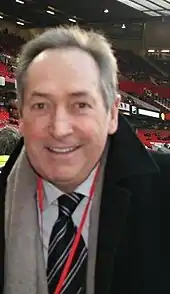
(10, 163)
(162, 160)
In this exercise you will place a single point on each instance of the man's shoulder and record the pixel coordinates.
(161, 159)
(11, 161)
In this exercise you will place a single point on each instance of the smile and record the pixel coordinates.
(63, 150)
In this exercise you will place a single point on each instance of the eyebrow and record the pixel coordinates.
(82, 94)
(78, 94)
(40, 94)
(75, 94)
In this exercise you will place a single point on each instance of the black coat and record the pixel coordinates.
(130, 258)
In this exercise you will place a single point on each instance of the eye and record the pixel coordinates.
(82, 105)
(40, 106)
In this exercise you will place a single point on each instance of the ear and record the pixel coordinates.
(21, 127)
(114, 112)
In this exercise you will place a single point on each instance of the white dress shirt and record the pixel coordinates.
(50, 214)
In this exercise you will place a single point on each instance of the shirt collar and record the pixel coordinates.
(52, 192)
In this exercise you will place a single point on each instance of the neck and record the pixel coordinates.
(68, 187)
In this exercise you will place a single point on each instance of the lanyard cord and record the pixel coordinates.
(79, 231)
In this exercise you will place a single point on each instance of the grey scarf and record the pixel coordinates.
(24, 260)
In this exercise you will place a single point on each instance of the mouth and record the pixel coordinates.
(63, 151)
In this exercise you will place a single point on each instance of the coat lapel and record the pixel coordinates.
(113, 214)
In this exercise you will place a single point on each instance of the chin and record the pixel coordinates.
(63, 174)
(57, 178)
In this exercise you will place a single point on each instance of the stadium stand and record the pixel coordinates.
(150, 137)
(135, 67)
(10, 43)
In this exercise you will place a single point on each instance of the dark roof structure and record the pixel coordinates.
(44, 13)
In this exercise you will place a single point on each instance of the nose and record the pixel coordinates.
(60, 124)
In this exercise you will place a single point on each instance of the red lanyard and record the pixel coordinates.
(79, 231)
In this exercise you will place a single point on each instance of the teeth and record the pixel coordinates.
(62, 150)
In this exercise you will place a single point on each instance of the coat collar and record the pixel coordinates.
(127, 156)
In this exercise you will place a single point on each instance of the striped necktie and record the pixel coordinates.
(61, 240)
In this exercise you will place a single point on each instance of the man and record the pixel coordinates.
(76, 148)
(9, 137)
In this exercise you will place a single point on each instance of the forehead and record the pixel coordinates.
(63, 68)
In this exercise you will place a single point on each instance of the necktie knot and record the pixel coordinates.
(68, 203)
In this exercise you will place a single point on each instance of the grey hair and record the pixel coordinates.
(9, 137)
(91, 42)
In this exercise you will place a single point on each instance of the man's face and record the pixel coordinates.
(64, 121)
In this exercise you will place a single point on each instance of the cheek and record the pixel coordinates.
(95, 130)
(32, 130)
